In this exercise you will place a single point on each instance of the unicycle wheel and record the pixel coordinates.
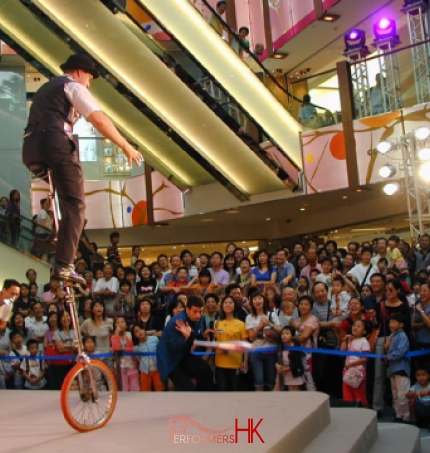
(88, 404)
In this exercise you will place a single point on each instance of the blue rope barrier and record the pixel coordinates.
(271, 349)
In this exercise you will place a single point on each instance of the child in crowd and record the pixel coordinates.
(419, 397)
(325, 276)
(290, 366)
(125, 302)
(382, 265)
(340, 299)
(414, 297)
(112, 251)
(285, 313)
(32, 369)
(121, 342)
(303, 287)
(89, 345)
(18, 349)
(354, 374)
(273, 295)
(149, 376)
(201, 283)
(313, 274)
(397, 346)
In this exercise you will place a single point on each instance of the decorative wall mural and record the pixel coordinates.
(119, 204)
(324, 153)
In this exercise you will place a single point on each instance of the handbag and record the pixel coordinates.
(51, 350)
(353, 377)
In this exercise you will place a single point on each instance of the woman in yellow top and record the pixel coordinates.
(230, 366)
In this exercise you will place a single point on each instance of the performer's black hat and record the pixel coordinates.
(81, 61)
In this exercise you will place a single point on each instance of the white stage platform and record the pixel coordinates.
(294, 422)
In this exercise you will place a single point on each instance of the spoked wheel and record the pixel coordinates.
(88, 404)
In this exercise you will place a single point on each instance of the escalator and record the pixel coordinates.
(186, 25)
(175, 131)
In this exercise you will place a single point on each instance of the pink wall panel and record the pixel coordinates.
(324, 159)
(167, 199)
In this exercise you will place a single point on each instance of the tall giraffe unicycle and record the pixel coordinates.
(89, 390)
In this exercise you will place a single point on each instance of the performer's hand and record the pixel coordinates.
(184, 328)
(133, 155)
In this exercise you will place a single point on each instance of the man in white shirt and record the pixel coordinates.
(9, 293)
(107, 287)
(48, 143)
(381, 247)
(361, 273)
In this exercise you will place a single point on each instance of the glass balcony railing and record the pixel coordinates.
(389, 80)
(27, 236)
(324, 87)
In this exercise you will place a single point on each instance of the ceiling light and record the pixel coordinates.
(391, 188)
(279, 55)
(422, 133)
(302, 209)
(387, 171)
(328, 17)
(425, 171)
(268, 219)
(384, 147)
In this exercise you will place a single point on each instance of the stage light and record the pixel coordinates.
(384, 147)
(422, 133)
(425, 171)
(387, 171)
(424, 154)
(385, 28)
(355, 39)
(391, 188)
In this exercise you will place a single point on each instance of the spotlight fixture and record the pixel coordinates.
(422, 133)
(384, 146)
(355, 39)
(387, 171)
(425, 171)
(385, 32)
(391, 188)
(424, 154)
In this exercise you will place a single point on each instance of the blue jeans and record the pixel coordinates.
(263, 369)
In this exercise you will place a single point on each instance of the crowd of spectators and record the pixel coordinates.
(369, 297)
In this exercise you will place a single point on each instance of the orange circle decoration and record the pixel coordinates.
(337, 146)
(139, 215)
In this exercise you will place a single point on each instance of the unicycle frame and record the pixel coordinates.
(87, 384)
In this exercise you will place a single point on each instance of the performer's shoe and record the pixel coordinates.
(68, 274)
